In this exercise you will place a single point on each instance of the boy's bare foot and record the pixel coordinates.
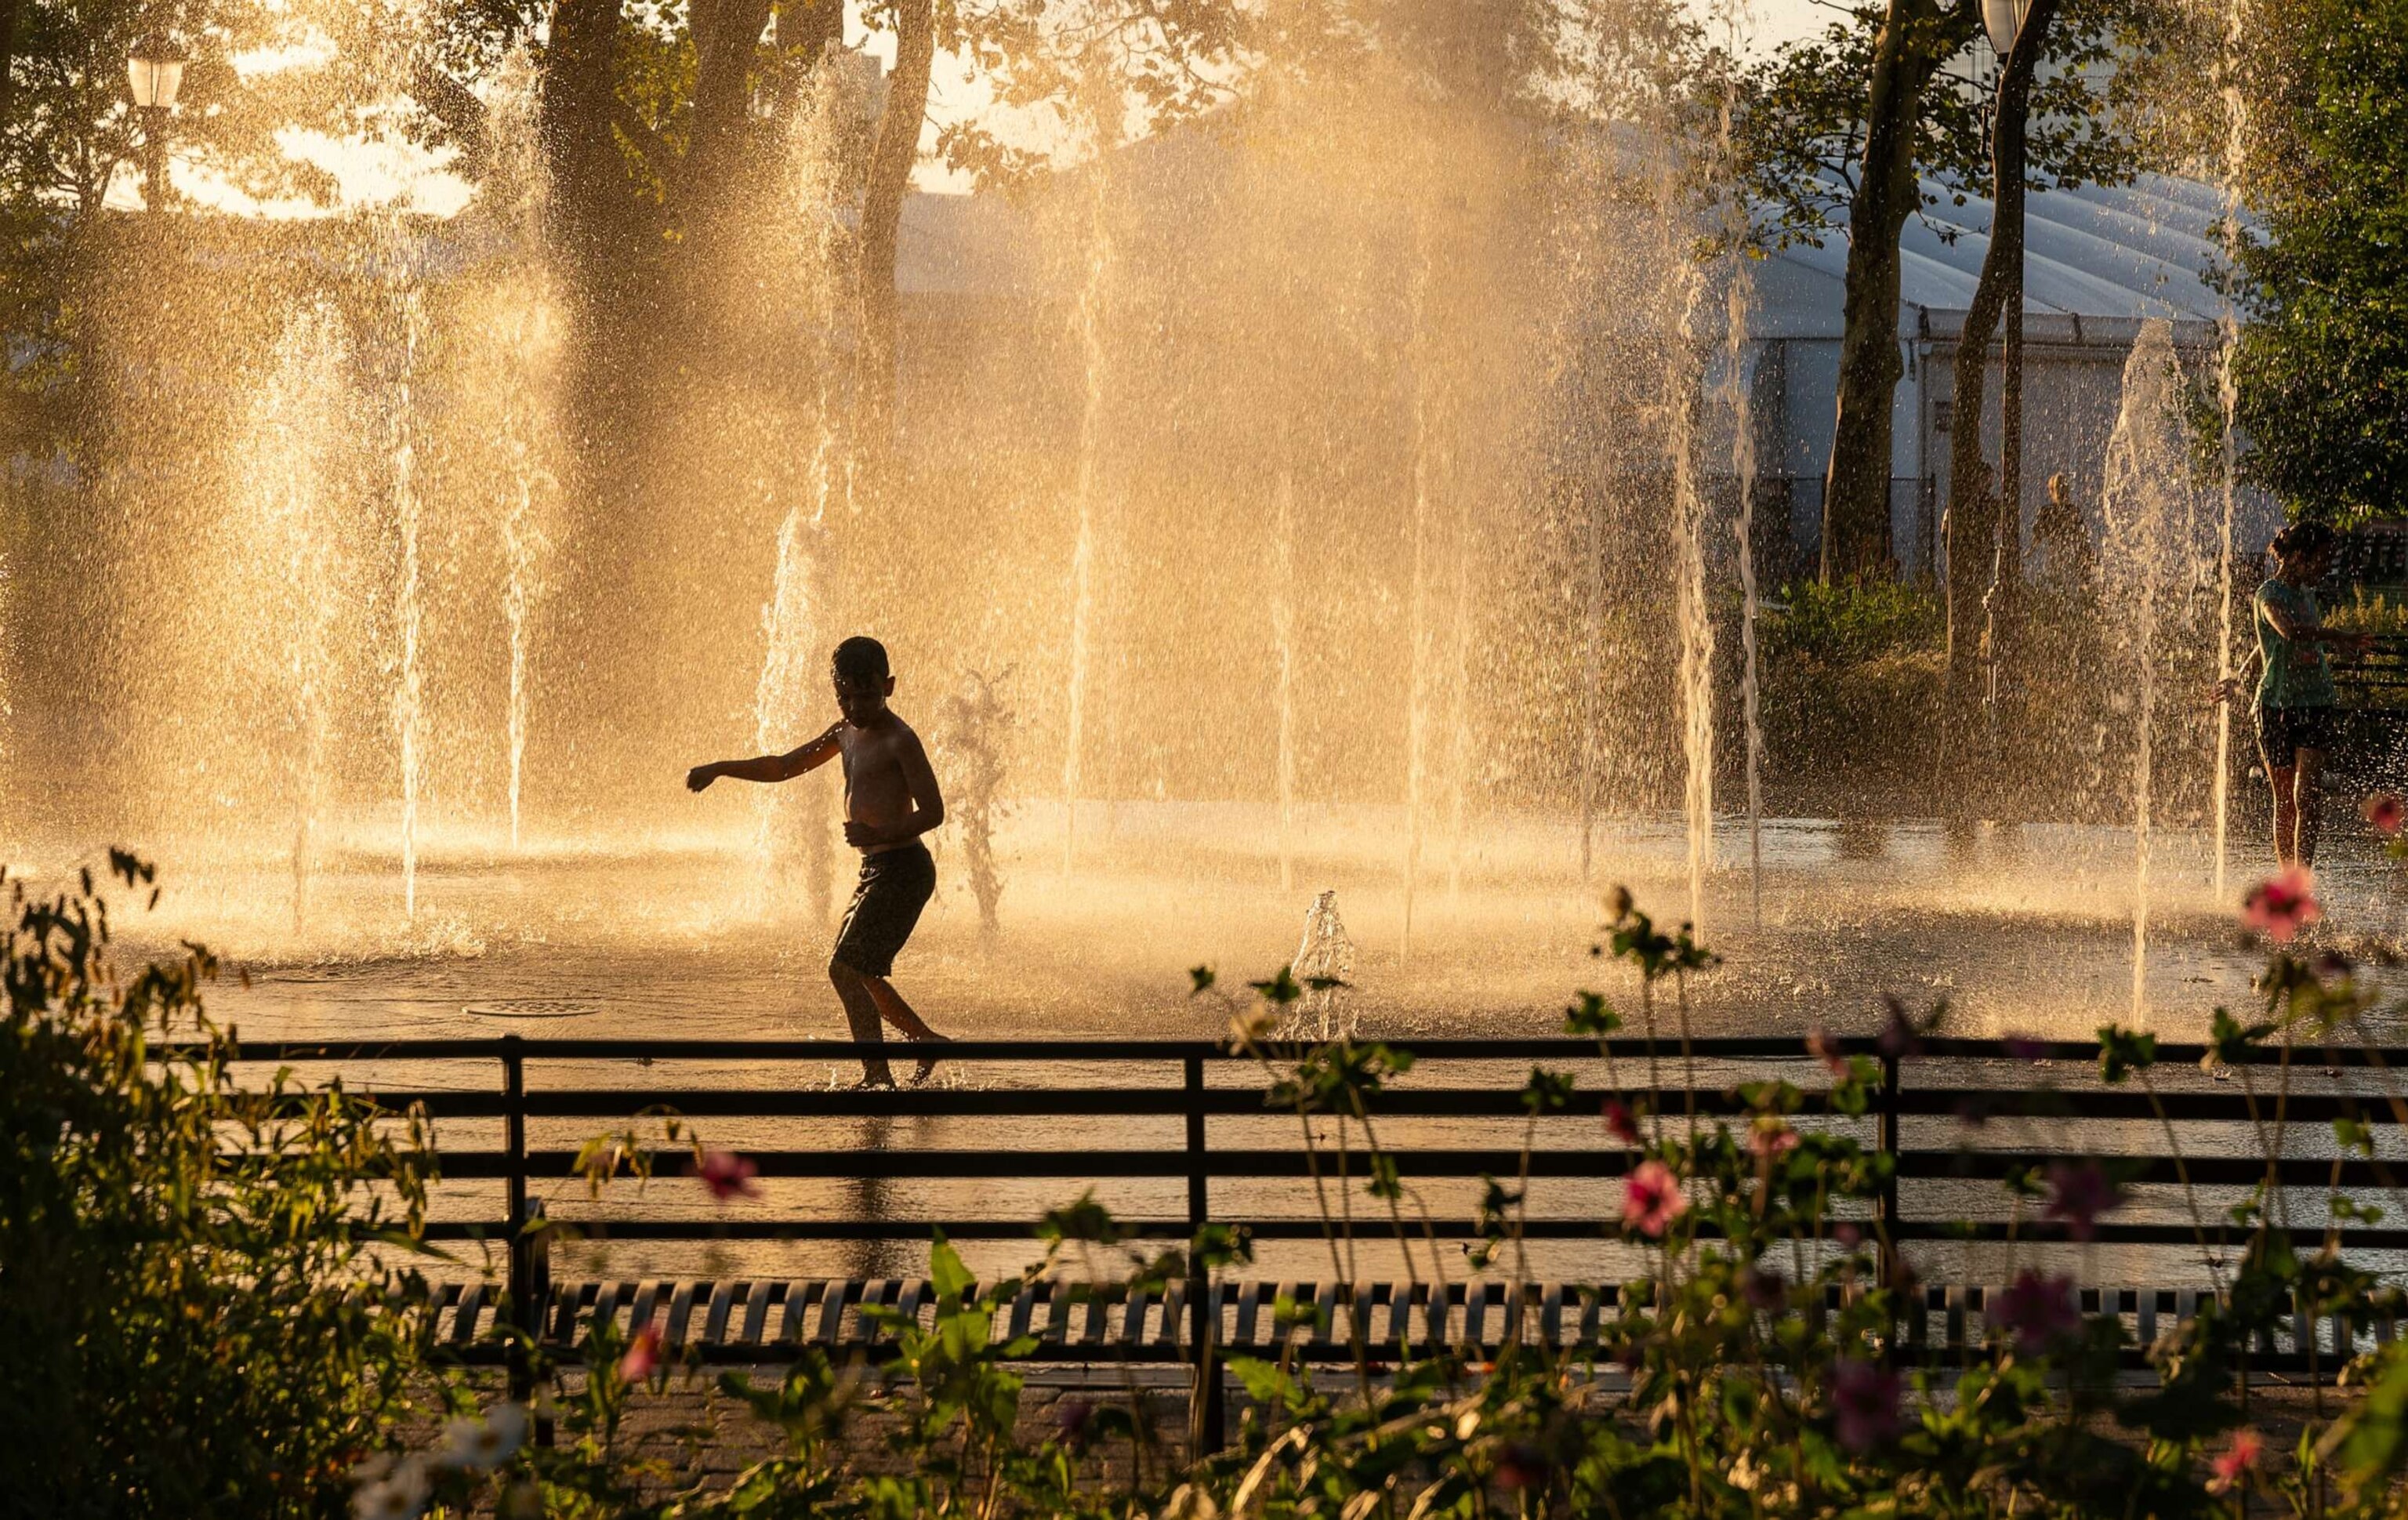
(870, 1084)
(929, 1062)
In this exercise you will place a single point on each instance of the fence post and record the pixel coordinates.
(1886, 1206)
(525, 1243)
(1208, 1419)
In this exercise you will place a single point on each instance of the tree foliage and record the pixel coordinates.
(1800, 138)
(2323, 366)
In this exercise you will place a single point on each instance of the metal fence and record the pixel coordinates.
(1966, 1083)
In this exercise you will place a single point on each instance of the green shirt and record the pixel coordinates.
(2296, 675)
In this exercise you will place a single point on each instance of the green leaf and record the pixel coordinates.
(1591, 1016)
(2354, 1134)
(1279, 990)
(945, 1269)
(2123, 1051)
(1547, 1092)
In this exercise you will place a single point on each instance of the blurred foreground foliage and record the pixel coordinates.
(191, 1319)
(193, 1327)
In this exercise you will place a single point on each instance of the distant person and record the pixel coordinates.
(2295, 685)
(890, 801)
(2062, 536)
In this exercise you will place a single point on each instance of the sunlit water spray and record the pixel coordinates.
(793, 636)
(410, 693)
(524, 331)
(1283, 656)
(2150, 525)
(1417, 617)
(2227, 395)
(1682, 378)
(1324, 966)
(299, 420)
(1741, 405)
(1088, 321)
(1739, 399)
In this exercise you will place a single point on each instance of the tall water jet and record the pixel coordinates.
(1460, 696)
(392, 246)
(296, 426)
(1087, 323)
(523, 329)
(2227, 396)
(1681, 398)
(1741, 398)
(1592, 683)
(2149, 520)
(409, 695)
(793, 636)
(1417, 598)
(1283, 656)
(518, 544)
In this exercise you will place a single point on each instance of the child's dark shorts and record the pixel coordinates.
(895, 885)
(2285, 731)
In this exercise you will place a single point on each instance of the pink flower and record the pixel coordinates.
(2283, 903)
(2232, 1466)
(1864, 1404)
(2038, 1310)
(1824, 1048)
(1652, 1199)
(1621, 1123)
(727, 1176)
(1768, 1138)
(2078, 1194)
(2385, 811)
(1848, 1234)
(642, 1356)
(2026, 1048)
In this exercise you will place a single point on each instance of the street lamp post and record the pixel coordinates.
(153, 74)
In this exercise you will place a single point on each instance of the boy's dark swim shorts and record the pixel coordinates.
(2285, 731)
(895, 885)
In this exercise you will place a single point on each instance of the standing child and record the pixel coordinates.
(890, 801)
(2295, 684)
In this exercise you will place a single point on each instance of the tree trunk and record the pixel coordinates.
(573, 118)
(891, 159)
(726, 38)
(1915, 38)
(9, 10)
(1977, 525)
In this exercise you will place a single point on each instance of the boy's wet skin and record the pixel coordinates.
(891, 798)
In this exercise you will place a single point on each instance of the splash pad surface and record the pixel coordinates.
(2023, 928)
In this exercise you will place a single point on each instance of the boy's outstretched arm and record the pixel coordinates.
(769, 768)
(927, 803)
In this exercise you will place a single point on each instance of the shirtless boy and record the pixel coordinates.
(890, 801)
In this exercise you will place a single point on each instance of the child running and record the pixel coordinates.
(890, 801)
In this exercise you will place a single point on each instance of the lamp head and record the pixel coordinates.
(2004, 20)
(154, 73)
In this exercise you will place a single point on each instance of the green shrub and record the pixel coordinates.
(1851, 623)
(191, 1320)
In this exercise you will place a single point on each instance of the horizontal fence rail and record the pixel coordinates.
(1948, 1110)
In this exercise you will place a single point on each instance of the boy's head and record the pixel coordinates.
(863, 681)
